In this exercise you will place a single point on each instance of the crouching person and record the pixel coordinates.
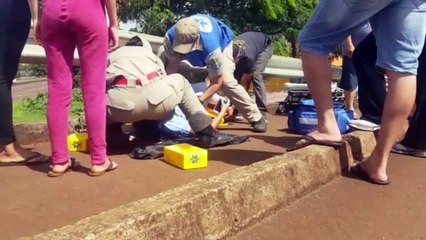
(139, 89)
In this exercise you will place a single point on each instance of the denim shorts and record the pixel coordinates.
(399, 26)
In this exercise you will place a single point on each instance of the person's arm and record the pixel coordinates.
(33, 4)
(246, 80)
(207, 82)
(215, 85)
(170, 58)
(349, 46)
(215, 69)
(111, 7)
(244, 70)
(221, 114)
(34, 11)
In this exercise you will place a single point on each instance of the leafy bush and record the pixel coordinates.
(38, 70)
(281, 46)
(39, 103)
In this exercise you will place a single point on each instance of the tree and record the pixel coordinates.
(282, 19)
(152, 16)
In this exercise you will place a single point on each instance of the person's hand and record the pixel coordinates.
(225, 102)
(350, 52)
(113, 38)
(200, 99)
(225, 105)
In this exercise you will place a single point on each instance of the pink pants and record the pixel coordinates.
(65, 25)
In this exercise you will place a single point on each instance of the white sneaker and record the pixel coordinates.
(363, 125)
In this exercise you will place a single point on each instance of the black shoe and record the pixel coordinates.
(208, 137)
(259, 126)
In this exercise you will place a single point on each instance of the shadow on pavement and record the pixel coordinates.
(45, 168)
(240, 157)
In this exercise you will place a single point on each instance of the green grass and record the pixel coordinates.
(34, 109)
(20, 115)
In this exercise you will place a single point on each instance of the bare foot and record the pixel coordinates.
(58, 168)
(104, 166)
(374, 171)
(326, 135)
(15, 153)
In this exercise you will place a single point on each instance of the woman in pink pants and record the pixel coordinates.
(65, 25)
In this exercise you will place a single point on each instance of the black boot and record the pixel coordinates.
(209, 137)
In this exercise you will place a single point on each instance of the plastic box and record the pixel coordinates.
(78, 142)
(185, 156)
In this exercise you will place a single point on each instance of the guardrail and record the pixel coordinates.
(278, 66)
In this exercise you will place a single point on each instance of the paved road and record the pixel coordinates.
(20, 91)
(352, 209)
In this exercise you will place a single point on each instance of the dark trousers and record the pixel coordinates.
(15, 20)
(415, 137)
(372, 92)
(258, 81)
(371, 83)
(348, 80)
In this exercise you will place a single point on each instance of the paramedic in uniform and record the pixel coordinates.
(139, 89)
(205, 41)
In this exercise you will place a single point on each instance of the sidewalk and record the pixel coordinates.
(149, 199)
(355, 210)
(33, 203)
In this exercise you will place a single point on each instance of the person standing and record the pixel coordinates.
(65, 25)
(400, 32)
(251, 52)
(414, 142)
(15, 22)
(371, 86)
(372, 93)
(203, 40)
(349, 79)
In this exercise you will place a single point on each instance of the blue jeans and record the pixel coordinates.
(15, 20)
(398, 25)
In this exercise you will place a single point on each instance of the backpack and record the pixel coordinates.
(304, 119)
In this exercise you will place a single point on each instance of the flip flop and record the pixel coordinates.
(37, 158)
(360, 172)
(110, 167)
(309, 140)
(52, 173)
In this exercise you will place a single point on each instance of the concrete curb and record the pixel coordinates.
(220, 206)
(31, 133)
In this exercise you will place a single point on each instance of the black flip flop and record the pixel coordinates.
(32, 160)
(359, 171)
(100, 173)
(52, 173)
(309, 140)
